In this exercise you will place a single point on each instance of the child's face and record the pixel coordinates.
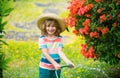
(51, 30)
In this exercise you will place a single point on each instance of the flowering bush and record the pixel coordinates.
(98, 21)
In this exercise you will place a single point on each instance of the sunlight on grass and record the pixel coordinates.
(26, 56)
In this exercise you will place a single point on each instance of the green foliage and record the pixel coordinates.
(98, 21)
(5, 9)
(4, 61)
(2, 28)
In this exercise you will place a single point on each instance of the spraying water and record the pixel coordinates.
(91, 68)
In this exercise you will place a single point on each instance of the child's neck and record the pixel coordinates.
(51, 36)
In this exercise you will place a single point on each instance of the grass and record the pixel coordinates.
(25, 61)
(26, 55)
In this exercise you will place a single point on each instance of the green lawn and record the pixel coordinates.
(26, 55)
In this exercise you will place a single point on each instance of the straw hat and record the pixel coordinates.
(43, 17)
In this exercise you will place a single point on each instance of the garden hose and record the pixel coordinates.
(80, 66)
(61, 68)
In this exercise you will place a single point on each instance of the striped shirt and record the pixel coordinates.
(52, 45)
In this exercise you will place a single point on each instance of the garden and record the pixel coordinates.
(92, 43)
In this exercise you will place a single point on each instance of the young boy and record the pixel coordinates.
(51, 45)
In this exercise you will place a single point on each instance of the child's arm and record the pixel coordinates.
(65, 59)
(45, 52)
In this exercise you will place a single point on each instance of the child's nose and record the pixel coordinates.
(51, 27)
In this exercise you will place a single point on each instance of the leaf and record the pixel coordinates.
(1, 36)
(7, 12)
(1, 41)
(5, 7)
(2, 25)
(0, 20)
(2, 33)
(4, 61)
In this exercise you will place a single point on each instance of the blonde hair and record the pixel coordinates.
(52, 22)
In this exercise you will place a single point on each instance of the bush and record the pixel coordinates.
(98, 21)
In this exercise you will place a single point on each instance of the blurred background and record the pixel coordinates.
(22, 20)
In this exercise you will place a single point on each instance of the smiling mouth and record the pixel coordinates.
(51, 31)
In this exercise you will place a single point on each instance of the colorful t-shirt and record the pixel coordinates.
(52, 45)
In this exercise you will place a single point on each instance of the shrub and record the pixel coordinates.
(98, 21)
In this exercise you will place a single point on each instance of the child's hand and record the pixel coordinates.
(71, 64)
(57, 66)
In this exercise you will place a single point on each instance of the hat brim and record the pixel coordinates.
(44, 17)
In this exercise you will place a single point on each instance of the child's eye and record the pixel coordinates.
(53, 26)
(48, 25)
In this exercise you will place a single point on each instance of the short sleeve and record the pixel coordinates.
(41, 43)
(61, 43)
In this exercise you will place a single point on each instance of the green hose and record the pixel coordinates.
(61, 68)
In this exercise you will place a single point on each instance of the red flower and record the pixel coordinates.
(85, 9)
(94, 34)
(83, 50)
(91, 50)
(118, 55)
(99, 10)
(99, 28)
(75, 5)
(81, 11)
(88, 7)
(118, 17)
(75, 32)
(114, 24)
(87, 15)
(81, 30)
(71, 21)
(84, 46)
(87, 55)
(86, 22)
(104, 31)
(97, 0)
(109, 17)
(102, 18)
(84, 30)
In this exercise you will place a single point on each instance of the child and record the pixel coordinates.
(51, 45)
